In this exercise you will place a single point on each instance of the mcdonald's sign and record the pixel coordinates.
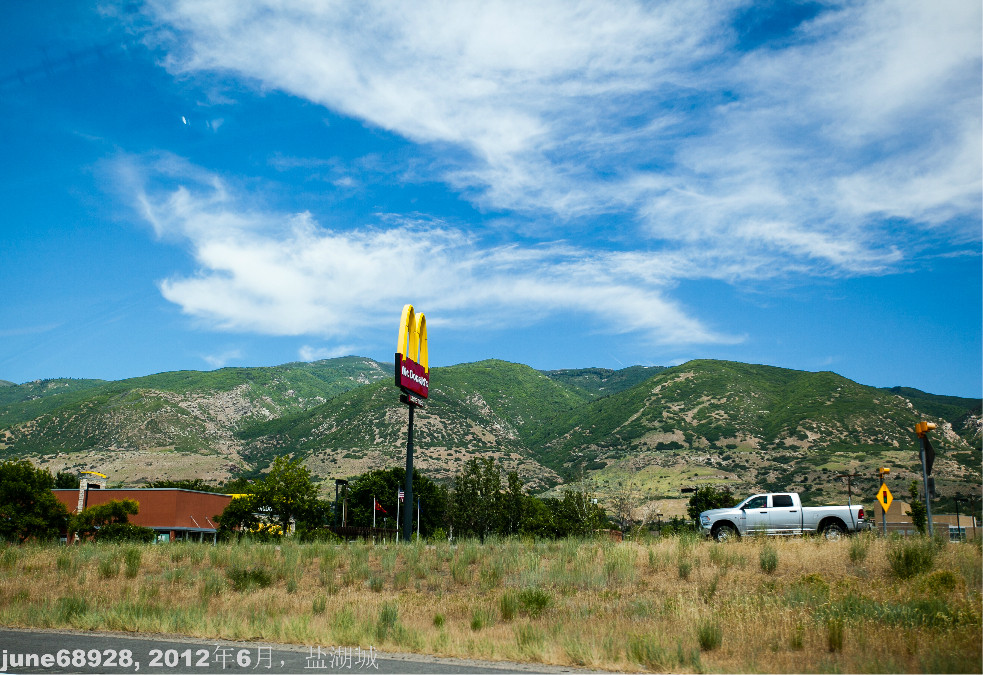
(412, 364)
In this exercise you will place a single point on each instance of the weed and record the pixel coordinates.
(709, 634)
(647, 652)
(528, 637)
(388, 620)
(109, 566)
(438, 620)
(683, 567)
(245, 578)
(319, 605)
(71, 607)
(8, 557)
(909, 557)
(376, 584)
(534, 601)
(834, 634)
(941, 582)
(508, 605)
(768, 559)
(859, 548)
(212, 585)
(66, 563)
(131, 560)
(480, 618)
(710, 589)
(796, 641)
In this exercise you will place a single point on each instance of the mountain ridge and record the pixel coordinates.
(743, 425)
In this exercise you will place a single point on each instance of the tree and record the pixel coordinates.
(624, 501)
(513, 504)
(579, 513)
(477, 499)
(185, 484)
(384, 485)
(66, 481)
(288, 493)
(917, 510)
(110, 522)
(239, 517)
(709, 497)
(28, 508)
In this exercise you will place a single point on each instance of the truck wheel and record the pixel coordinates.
(833, 531)
(724, 531)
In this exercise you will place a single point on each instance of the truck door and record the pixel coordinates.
(756, 517)
(785, 515)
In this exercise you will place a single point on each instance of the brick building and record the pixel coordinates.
(174, 514)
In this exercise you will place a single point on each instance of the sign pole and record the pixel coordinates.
(408, 513)
(928, 502)
(412, 377)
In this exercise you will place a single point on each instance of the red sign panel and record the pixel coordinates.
(411, 376)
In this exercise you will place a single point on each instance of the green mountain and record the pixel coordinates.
(647, 432)
(602, 381)
(182, 422)
(22, 402)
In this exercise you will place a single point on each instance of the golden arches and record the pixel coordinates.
(412, 340)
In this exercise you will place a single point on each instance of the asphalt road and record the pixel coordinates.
(57, 651)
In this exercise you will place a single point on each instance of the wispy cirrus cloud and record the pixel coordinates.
(833, 148)
(798, 148)
(286, 274)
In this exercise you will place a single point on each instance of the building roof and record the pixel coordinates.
(160, 508)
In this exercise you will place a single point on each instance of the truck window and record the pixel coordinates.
(760, 502)
(782, 500)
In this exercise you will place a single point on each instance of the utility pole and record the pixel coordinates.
(849, 494)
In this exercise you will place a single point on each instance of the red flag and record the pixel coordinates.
(378, 506)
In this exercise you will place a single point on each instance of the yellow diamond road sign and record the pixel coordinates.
(884, 497)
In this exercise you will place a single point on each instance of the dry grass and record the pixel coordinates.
(624, 607)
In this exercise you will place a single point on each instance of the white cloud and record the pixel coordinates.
(220, 360)
(309, 353)
(840, 149)
(285, 274)
(787, 157)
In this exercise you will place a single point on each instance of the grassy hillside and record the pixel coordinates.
(602, 381)
(491, 408)
(22, 402)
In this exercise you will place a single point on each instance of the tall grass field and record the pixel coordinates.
(680, 604)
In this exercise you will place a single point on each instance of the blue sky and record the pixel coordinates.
(190, 185)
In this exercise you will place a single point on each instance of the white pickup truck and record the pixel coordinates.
(781, 514)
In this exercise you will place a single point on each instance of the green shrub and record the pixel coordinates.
(71, 607)
(131, 559)
(768, 559)
(534, 601)
(388, 620)
(645, 651)
(709, 634)
(508, 605)
(109, 566)
(941, 582)
(859, 548)
(909, 557)
(480, 618)
(438, 620)
(834, 634)
(683, 567)
(244, 578)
